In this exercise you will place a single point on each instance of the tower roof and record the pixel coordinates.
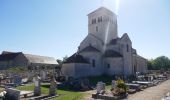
(89, 49)
(111, 53)
(102, 9)
(113, 41)
(76, 58)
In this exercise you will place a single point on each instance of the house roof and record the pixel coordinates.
(8, 56)
(40, 59)
(76, 58)
(89, 49)
(111, 53)
(8, 52)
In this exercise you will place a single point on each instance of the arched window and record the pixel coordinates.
(100, 19)
(108, 66)
(127, 46)
(93, 21)
(96, 28)
(93, 63)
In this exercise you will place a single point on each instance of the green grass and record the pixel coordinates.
(64, 94)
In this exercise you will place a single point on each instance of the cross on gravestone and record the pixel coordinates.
(53, 87)
(37, 88)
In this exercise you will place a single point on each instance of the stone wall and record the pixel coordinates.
(68, 69)
(5, 64)
(97, 57)
(140, 63)
(82, 70)
(93, 41)
(115, 66)
(20, 61)
(76, 70)
(126, 51)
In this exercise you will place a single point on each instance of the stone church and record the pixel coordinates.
(103, 51)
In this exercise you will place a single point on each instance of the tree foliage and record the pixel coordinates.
(160, 63)
(60, 62)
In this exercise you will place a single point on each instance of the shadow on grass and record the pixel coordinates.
(64, 88)
(104, 78)
(77, 87)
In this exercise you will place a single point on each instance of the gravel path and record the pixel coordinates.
(152, 93)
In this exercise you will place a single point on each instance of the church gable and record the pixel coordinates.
(125, 38)
(91, 40)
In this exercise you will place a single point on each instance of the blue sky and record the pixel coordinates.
(56, 27)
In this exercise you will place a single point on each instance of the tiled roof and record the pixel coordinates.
(113, 41)
(76, 58)
(34, 59)
(111, 53)
(40, 59)
(89, 49)
(8, 56)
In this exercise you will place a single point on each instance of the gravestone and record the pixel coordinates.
(43, 75)
(100, 87)
(53, 87)
(13, 94)
(150, 78)
(30, 76)
(17, 80)
(114, 84)
(37, 88)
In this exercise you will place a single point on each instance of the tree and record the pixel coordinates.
(60, 62)
(160, 63)
(150, 64)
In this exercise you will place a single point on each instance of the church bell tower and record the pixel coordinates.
(102, 23)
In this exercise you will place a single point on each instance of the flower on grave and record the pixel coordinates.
(120, 89)
(2, 94)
